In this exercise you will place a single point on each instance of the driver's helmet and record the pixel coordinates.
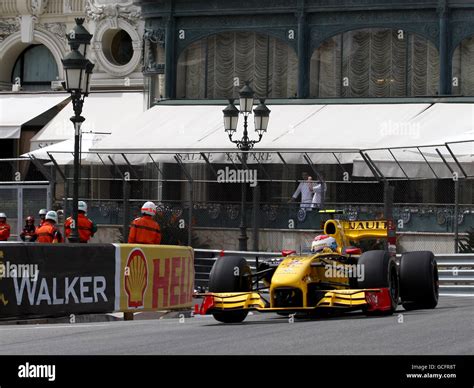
(323, 241)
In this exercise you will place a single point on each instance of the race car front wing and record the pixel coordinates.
(371, 300)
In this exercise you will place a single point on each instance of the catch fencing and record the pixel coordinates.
(201, 194)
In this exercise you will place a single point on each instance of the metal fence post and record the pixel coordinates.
(256, 217)
(190, 214)
(126, 208)
(388, 192)
(66, 196)
(19, 209)
(456, 215)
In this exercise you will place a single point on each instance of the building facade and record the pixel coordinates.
(33, 41)
(309, 48)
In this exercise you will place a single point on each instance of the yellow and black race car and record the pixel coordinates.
(334, 276)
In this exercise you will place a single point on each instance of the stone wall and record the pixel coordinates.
(107, 234)
(435, 242)
(272, 240)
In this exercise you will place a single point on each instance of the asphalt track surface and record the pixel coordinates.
(446, 330)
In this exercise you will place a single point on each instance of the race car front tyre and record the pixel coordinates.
(236, 316)
(419, 281)
(380, 271)
(230, 274)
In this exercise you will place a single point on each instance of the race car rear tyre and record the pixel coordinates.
(380, 271)
(230, 274)
(419, 281)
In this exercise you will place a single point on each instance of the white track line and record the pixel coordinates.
(49, 326)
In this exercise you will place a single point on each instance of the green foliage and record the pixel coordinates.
(174, 231)
(466, 244)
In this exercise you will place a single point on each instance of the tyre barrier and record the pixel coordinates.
(47, 280)
(456, 271)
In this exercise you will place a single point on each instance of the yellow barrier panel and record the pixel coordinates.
(153, 277)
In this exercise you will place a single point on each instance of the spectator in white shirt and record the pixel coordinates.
(319, 193)
(305, 189)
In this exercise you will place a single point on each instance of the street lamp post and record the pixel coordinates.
(78, 71)
(231, 118)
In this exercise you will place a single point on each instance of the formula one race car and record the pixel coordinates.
(333, 277)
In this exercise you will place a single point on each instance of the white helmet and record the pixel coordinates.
(3, 215)
(52, 215)
(82, 206)
(149, 208)
(323, 241)
(43, 212)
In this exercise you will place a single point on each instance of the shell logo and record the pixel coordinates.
(137, 280)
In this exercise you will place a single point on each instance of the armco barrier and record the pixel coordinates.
(456, 271)
(456, 274)
(39, 280)
(204, 260)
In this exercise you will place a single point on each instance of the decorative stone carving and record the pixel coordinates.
(67, 6)
(27, 27)
(461, 31)
(58, 29)
(38, 6)
(153, 38)
(8, 27)
(96, 11)
(442, 8)
(100, 46)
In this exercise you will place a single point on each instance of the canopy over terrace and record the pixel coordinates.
(63, 151)
(103, 113)
(16, 109)
(300, 132)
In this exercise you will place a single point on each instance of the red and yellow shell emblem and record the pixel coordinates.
(136, 278)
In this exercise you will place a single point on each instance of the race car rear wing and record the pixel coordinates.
(346, 231)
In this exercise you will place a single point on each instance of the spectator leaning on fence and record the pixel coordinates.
(4, 227)
(305, 189)
(48, 232)
(319, 190)
(145, 230)
(86, 227)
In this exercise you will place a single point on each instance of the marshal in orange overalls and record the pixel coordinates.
(144, 230)
(86, 227)
(48, 233)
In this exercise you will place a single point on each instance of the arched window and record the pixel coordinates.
(463, 68)
(217, 66)
(35, 68)
(375, 63)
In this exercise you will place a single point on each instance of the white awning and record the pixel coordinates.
(103, 113)
(424, 162)
(63, 152)
(17, 109)
(334, 133)
(292, 127)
